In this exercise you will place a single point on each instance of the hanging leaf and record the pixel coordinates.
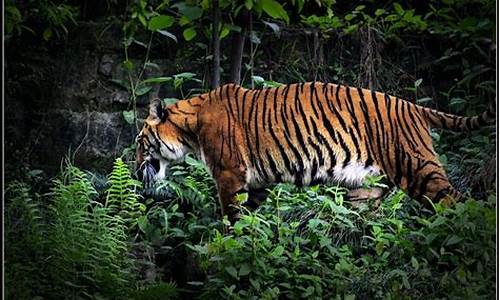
(160, 22)
(418, 82)
(273, 26)
(128, 65)
(129, 116)
(224, 32)
(191, 12)
(121, 83)
(169, 101)
(189, 33)
(139, 43)
(249, 4)
(167, 34)
(157, 80)
(142, 90)
(275, 10)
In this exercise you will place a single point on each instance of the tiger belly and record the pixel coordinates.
(352, 175)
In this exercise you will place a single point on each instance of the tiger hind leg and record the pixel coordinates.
(432, 185)
(360, 195)
(363, 194)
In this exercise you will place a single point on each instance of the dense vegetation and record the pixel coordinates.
(81, 234)
(89, 239)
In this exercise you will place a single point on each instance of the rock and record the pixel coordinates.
(95, 139)
(106, 65)
(120, 96)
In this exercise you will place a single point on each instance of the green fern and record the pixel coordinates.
(122, 197)
(24, 225)
(89, 241)
(75, 248)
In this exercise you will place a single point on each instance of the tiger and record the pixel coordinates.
(302, 133)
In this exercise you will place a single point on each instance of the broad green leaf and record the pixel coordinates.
(160, 22)
(157, 80)
(244, 270)
(184, 21)
(274, 10)
(224, 32)
(129, 116)
(232, 271)
(189, 33)
(453, 240)
(169, 101)
(278, 251)
(399, 9)
(128, 65)
(121, 83)
(379, 12)
(414, 263)
(191, 12)
(142, 90)
(350, 297)
(249, 4)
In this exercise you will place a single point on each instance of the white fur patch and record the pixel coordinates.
(162, 173)
(354, 173)
(176, 151)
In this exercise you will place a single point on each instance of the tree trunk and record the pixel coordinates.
(238, 46)
(216, 44)
(237, 56)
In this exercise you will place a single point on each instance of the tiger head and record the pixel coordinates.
(157, 144)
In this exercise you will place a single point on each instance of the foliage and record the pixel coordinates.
(122, 198)
(67, 243)
(301, 242)
(54, 17)
(307, 243)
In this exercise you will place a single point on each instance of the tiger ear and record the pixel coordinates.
(156, 112)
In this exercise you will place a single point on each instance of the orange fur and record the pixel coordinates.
(304, 133)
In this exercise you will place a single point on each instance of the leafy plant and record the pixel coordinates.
(76, 246)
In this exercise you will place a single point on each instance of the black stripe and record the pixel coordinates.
(243, 104)
(274, 168)
(264, 109)
(285, 96)
(275, 105)
(300, 139)
(298, 107)
(237, 101)
(418, 132)
(425, 181)
(401, 123)
(313, 90)
(281, 149)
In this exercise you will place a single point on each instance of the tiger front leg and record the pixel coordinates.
(229, 183)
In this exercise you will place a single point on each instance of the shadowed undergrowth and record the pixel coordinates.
(95, 238)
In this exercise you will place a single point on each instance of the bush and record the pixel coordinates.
(307, 243)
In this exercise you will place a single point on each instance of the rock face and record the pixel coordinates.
(66, 101)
